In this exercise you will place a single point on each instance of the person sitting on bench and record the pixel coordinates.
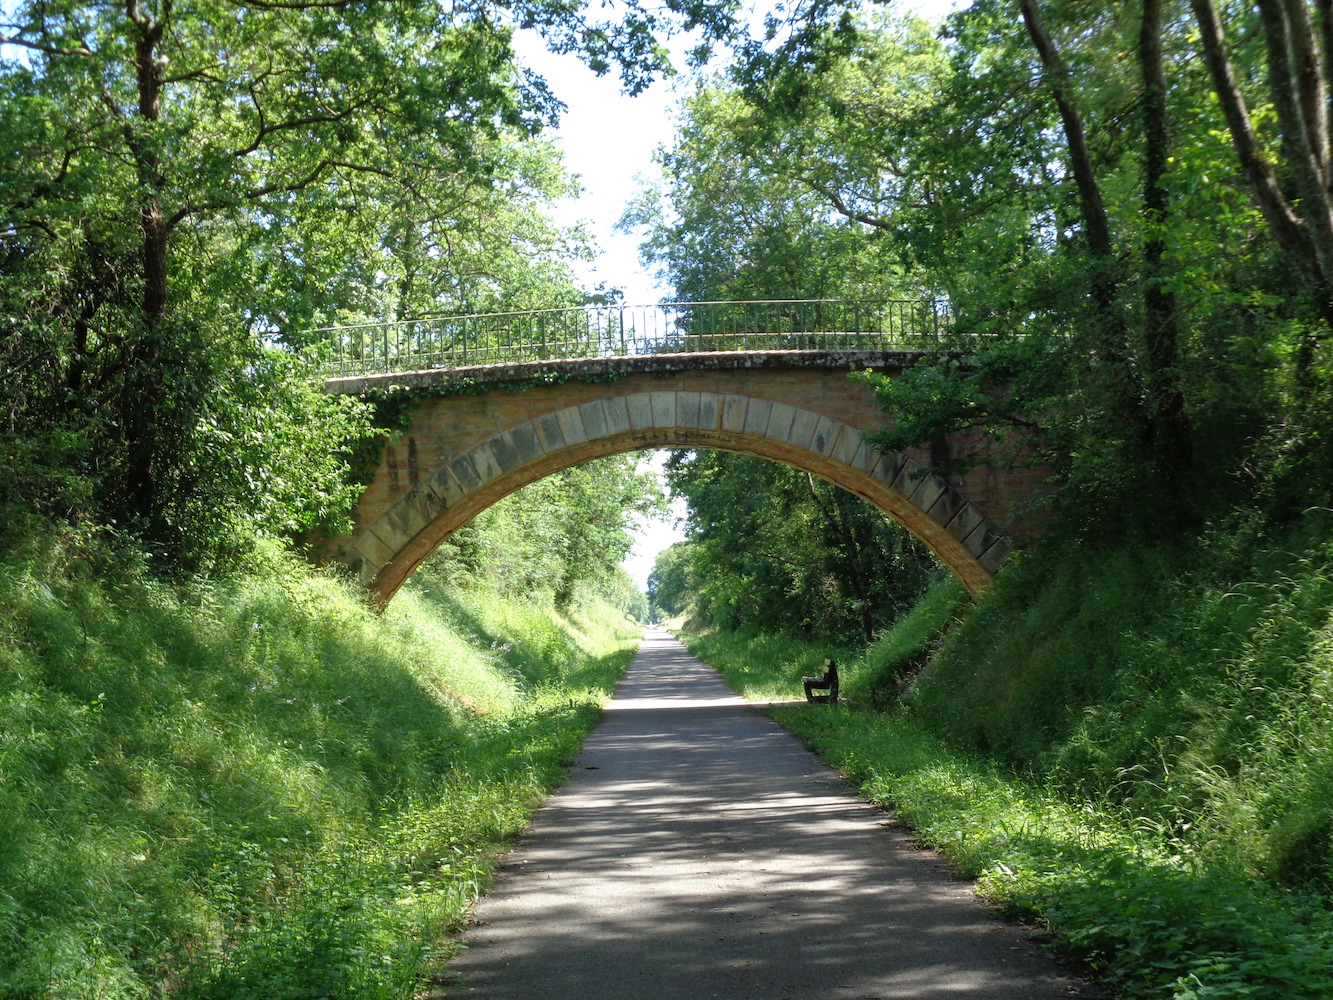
(829, 683)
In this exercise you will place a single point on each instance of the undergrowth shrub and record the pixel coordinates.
(257, 787)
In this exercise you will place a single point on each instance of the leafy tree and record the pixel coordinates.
(1060, 175)
(573, 527)
(182, 180)
(727, 227)
(771, 547)
(670, 586)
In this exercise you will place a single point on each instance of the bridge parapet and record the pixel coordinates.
(632, 331)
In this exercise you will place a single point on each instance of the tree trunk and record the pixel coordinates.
(144, 385)
(1167, 441)
(1112, 334)
(1290, 227)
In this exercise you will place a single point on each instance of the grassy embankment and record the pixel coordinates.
(258, 788)
(1133, 749)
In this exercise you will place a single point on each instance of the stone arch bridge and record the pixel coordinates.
(479, 433)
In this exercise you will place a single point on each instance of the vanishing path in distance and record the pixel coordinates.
(700, 851)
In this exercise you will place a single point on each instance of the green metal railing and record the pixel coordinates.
(628, 331)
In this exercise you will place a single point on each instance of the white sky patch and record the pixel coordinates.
(608, 140)
(654, 535)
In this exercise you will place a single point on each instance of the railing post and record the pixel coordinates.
(541, 329)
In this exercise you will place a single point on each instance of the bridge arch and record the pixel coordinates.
(394, 543)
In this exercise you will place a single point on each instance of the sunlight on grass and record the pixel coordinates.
(263, 789)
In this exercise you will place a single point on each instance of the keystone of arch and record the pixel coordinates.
(953, 527)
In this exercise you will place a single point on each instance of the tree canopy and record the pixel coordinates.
(1116, 201)
(188, 188)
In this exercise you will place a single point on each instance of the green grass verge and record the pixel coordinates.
(258, 788)
(1114, 895)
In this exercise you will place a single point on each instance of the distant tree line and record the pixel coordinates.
(773, 548)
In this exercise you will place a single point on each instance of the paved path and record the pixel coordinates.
(700, 851)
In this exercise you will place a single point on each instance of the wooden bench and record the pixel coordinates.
(829, 683)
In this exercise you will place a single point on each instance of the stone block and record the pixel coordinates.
(594, 419)
(486, 461)
(910, 476)
(571, 425)
(965, 521)
(549, 432)
(757, 415)
(372, 551)
(825, 437)
(949, 502)
(710, 410)
(394, 529)
(780, 419)
(464, 470)
(446, 486)
(690, 409)
(851, 447)
(640, 410)
(664, 408)
(617, 415)
(803, 428)
(527, 446)
(889, 467)
(996, 553)
(928, 490)
(733, 412)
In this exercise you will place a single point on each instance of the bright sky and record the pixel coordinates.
(608, 140)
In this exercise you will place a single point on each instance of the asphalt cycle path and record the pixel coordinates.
(700, 851)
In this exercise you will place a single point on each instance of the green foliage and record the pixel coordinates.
(570, 528)
(256, 786)
(894, 659)
(670, 584)
(1187, 687)
(771, 547)
(188, 183)
(756, 203)
(766, 665)
(1145, 332)
(1126, 743)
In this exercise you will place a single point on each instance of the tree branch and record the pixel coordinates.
(835, 198)
(51, 50)
(1057, 74)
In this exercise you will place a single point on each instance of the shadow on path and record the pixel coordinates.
(700, 851)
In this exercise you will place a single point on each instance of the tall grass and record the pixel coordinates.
(257, 787)
(1190, 688)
